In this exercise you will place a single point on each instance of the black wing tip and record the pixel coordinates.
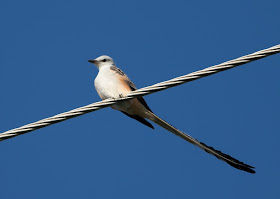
(145, 122)
(149, 125)
(139, 119)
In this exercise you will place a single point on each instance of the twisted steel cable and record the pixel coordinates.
(141, 92)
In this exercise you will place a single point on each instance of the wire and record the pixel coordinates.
(141, 92)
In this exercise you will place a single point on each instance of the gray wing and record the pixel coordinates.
(131, 85)
(141, 99)
(117, 70)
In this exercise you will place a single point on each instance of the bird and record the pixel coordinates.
(112, 82)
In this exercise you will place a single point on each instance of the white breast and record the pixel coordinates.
(107, 84)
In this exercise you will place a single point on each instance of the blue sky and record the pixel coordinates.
(44, 71)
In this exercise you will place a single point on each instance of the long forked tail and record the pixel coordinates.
(228, 159)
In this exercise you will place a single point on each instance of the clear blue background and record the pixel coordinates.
(44, 71)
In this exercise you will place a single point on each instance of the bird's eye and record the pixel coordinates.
(104, 60)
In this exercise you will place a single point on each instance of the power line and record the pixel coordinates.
(141, 92)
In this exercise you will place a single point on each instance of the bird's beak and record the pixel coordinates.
(92, 61)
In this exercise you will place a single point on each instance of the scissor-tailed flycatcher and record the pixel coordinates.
(111, 82)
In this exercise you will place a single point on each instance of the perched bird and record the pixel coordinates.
(112, 82)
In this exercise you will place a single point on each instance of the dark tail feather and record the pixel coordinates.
(222, 156)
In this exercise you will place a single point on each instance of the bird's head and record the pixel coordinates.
(103, 60)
